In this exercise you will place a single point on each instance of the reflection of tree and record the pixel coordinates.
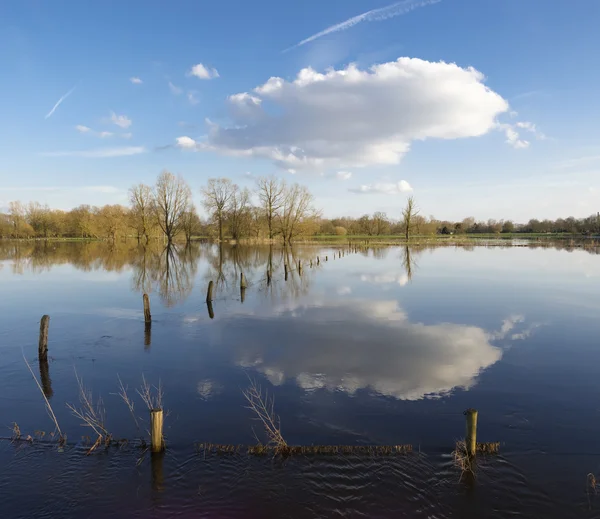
(175, 274)
(409, 262)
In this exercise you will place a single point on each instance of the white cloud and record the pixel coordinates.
(120, 120)
(175, 90)
(344, 175)
(185, 143)
(513, 137)
(392, 188)
(82, 129)
(98, 153)
(136, 80)
(374, 15)
(127, 135)
(191, 95)
(104, 135)
(353, 118)
(202, 72)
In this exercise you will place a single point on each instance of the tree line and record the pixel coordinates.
(273, 210)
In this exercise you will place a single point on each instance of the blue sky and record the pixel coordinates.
(382, 105)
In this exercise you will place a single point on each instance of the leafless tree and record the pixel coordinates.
(142, 209)
(408, 215)
(296, 212)
(191, 223)
(172, 196)
(217, 194)
(271, 193)
(238, 211)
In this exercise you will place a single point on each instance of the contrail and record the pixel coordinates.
(59, 102)
(374, 15)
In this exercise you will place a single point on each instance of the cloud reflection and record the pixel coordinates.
(357, 344)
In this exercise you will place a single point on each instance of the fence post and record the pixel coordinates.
(147, 315)
(471, 437)
(209, 292)
(156, 430)
(43, 341)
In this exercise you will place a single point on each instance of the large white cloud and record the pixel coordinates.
(380, 348)
(353, 117)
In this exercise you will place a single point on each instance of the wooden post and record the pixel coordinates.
(268, 277)
(43, 342)
(326, 258)
(209, 292)
(45, 378)
(299, 267)
(148, 335)
(243, 282)
(147, 315)
(242, 294)
(318, 260)
(471, 438)
(211, 312)
(156, 430)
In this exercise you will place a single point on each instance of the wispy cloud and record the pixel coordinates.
(202, 72)
(99, 153)
(136, 80)
(58, 103)
(343, 175)
(374, 15)
(393, 188)
(83, 129)
(103, 135)
(175, 90)
(191, 95)
(120, 120)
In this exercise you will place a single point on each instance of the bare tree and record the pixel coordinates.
(217, 194)
(296, 212)
(271, 193)
(238, 211)
(172, 196)
(408, 215)
(142, 209)
(191, 223)
(380, 222)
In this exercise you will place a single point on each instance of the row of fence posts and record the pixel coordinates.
(156, 415)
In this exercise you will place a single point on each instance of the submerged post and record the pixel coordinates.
(300, 267)
(209, 292)
(147, 315)
(471, 438)
(268, 277)
(43, 342)
(211, 312)
(156, 430)
(326, 258)
(285, 269)
(243, 282)
(318, 260)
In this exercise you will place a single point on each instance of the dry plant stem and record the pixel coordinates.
(145, 392)
(91, 416)
(263, 407)
(48, 406)
(130, 405)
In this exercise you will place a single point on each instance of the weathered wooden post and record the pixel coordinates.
(285, 269)
(243, 281)
(45, 378)
(147, 315)
(300, 267)
(471, 437)
(211, 313)
(318, 260)
(156, 430)
(268, 277)
(209, 292)
(43, 342)
(147, 335)
(326, 258)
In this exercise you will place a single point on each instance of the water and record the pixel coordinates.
(381, 347)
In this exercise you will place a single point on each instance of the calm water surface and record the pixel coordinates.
(386, 346)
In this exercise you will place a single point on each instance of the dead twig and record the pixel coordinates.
(93, 415)
(129, 403)
(263, 407)
(61, 437)
(152, 401)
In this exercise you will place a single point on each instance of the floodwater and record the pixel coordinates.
(381, 347)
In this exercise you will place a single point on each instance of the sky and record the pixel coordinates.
(484, 108)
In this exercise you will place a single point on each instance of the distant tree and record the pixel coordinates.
(238, 211)
(508, 227)
(341, 231)
(143, 209)
(216, 196)
(297, 213)
(381, 224)
(271, 194)
(112, 221)
(190, 223)
(408, 214)
(172, 196)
